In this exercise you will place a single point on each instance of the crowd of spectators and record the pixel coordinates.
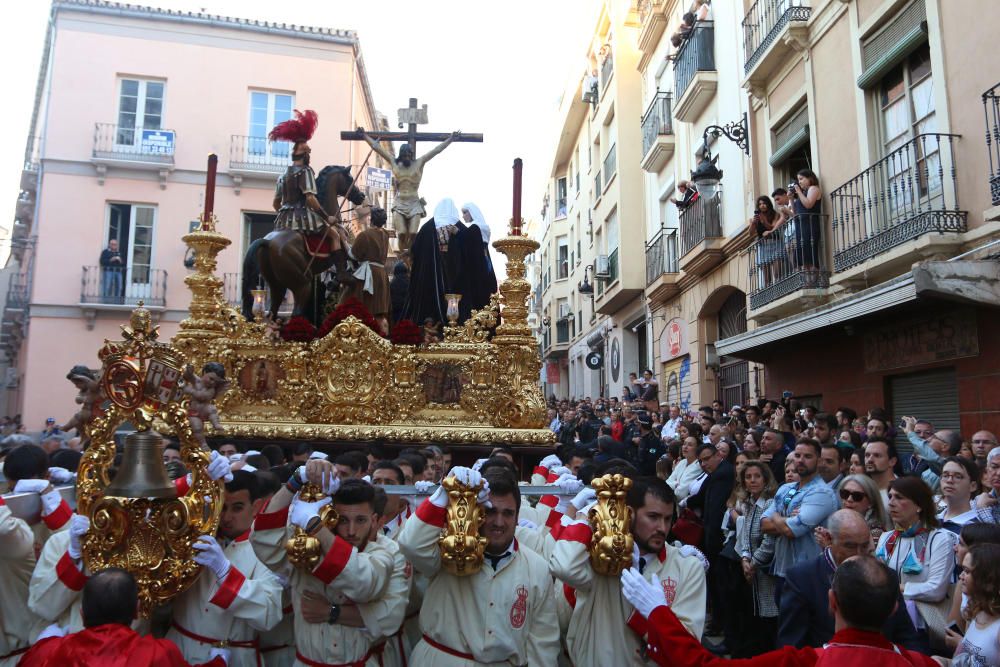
(777, 493)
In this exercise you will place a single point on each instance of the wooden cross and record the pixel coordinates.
(411, 116)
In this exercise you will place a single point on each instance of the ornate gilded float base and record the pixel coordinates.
(462, 547)
(611, 521)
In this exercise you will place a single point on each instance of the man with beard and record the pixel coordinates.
(596, 635)
(505, 612)
(235, 596)
(880, 464)
(798, 508)
(352, 570)
(408, 206)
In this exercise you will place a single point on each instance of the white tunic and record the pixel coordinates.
(344, 574)
(56, 583)
(17, 559)
(597, 634)
(494, 617)
(247, 601)
(384, 617)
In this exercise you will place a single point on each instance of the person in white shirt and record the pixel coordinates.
(686, 469)
(670, 426)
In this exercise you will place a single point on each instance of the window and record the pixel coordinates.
(132, 225)
(561, 198)
(266, 111)
(140, 106)
(612, 235)
(562, 258)
(906, 104)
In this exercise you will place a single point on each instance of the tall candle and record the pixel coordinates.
(515, 223)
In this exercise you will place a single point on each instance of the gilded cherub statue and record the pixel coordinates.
(203, 392)
(90, 397)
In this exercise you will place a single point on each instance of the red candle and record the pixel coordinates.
(213, 163)
(515, 223)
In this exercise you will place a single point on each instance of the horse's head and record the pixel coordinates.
(355, 196)
(337, 179)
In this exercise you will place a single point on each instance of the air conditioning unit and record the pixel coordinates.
(564, 311)
(601, 267)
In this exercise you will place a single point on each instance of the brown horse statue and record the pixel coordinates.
(283, 260)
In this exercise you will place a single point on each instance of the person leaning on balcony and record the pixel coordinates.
(770, 249)
(112, 267)
(689, 195)
(703, 10)
(807, 202)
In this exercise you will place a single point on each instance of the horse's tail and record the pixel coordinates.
(251, 276)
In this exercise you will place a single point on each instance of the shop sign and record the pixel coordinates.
(921, 341)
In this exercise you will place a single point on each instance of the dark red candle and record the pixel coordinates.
(515, 223)
(213, 163)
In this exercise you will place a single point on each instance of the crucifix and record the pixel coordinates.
(407, 168)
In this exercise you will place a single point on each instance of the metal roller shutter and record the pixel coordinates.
(931, 395)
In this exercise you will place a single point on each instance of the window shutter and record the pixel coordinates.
(889, 46)
(790, 136)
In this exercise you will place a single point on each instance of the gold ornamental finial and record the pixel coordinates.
(611, 521)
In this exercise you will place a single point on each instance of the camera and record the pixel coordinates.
(791, 186)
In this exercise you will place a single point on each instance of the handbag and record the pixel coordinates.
(689, 528)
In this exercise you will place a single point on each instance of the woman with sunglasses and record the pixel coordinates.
(959, 485)
(859, 493)
(922, 554)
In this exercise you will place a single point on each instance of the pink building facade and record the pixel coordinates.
(130, 102)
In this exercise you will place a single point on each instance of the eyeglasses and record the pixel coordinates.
(853, 496)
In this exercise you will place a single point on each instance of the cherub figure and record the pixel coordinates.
(90, 397)
(432, 333)
(203, 392)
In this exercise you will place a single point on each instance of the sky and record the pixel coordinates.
(498, 68)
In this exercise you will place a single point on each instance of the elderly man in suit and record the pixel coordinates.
(805, 618)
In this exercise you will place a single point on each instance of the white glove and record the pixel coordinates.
(367, 478)
(585, 497)
(423, 485)
(331, 482)
(61, 475)
(223, 653)
(439, 498)
(479, 464)
(52, 631)
(31, 485)
(527, 523)
(636, 554)
(319, 455)
(644, 595)
(568, 486)
(560, 470)
(688, 550)
(248, 468)
(78, 527)
(302, 512)
(550, 461)
(466, 476)
(252, 452)
(236, 458)
(211, 556)
(218, 468)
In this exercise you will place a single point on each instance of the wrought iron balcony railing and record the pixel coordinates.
(701, 220)
(657, 120)
(612, 266)
(597, 187)
(789, 261)
(123, 286)
(661, 255)
(764, 22)
(562, 332)
(258, 154)
(696, 54)
(908, 193)
(991, 106)
(141, 144)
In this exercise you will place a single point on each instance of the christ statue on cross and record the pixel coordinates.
(408, 206)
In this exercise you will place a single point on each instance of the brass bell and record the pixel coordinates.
(142, 473)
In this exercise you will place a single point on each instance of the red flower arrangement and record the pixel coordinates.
(405, 332)
(298, 329)
(351, 306)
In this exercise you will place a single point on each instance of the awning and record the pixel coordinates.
(887, 295)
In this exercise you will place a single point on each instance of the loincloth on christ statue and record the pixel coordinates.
(410, 207)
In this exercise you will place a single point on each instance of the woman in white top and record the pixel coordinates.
(959, 485)
(686, 469)
(981, 585)
(921, 553)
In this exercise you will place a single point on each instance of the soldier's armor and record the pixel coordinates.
(292, 187)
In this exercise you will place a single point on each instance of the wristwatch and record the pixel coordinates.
(334, 614)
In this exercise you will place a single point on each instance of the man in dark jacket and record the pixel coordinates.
(648, 447)
(805, 612)
(711, 499)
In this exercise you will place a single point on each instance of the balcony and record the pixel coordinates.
(114, 289)
(610, 165)
(909, 197)
(772, 30)
(695, 78)
(562, 332)
(133, 147)
(607, 70)
(657, 133)
(792, 263)
(991, 106)
(32, 158)
(701, 234)
(662, 267)
(652, 23)
(256, 157)
(597, 188)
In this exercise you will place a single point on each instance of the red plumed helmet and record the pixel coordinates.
(296, 129)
